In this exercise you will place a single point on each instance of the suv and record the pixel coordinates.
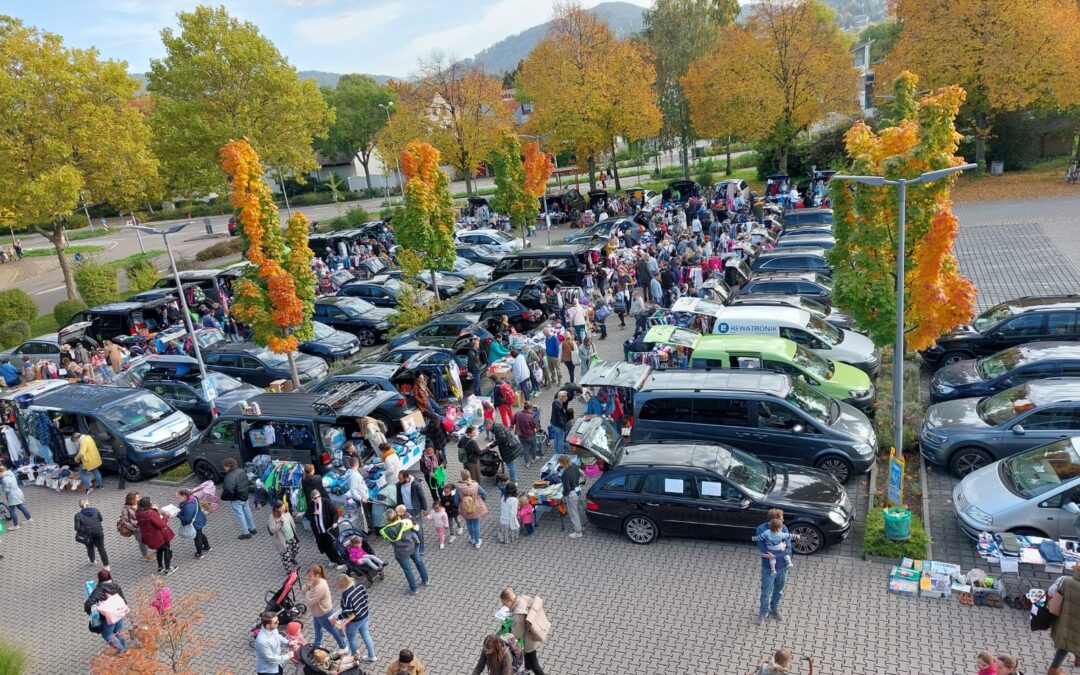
(495, 306)
(382, 291)
(49, 346)
(828, 315)
(353, 315)
(496, 240)
(259, 366)
(1029, 319)
(805, 284)
(792, 259)
(768, 414)
(796, 219)
(123, 318)
(447, 330)
(565, 261)
(1007, 368)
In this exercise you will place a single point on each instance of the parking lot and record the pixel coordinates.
(677, 605)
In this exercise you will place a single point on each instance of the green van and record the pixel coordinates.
(835, 379)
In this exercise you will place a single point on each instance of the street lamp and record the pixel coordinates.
(898, 351)
(180, 291)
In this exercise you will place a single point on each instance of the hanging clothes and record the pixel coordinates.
(13, 444)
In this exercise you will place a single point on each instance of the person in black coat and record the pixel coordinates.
(469, 452)
(323, 517)
(477, 364)
(104, 588)
(90, 533)
(312, 481)
(436, 434)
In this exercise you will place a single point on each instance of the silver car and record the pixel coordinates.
(1033, 493)
(968, 433)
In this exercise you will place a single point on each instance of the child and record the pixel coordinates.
(777, 543)
(441, 520)
(986, 663)
(501, 482)
(525, 514)
(162, 601)
(448, 499)
(508, 518)
(358, 556)
(489, 414)
(295, 635)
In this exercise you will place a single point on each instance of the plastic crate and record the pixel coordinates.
(989, 597)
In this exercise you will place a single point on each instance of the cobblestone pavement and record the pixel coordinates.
(677, 605)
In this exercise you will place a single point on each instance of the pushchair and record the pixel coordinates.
(346, 531)
(283, 603)
(490, 463)
(312, 667)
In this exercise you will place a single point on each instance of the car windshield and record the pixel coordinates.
(1042, 469)
(991, 318)
(813, 402)
(812, 363)
(501, 236)
(137, 412)
(1004, 406)
(998, 364)
(322, 331)
(355, 307)
(209, 336)
(749, 473)
(223, 383)
(827, 333)
(460, 263)
(269, 358)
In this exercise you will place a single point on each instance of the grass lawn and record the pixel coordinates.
(43, 324)
(87, 233)
(177, 473)
(150, 255)
(70, 250)
(1045, 179)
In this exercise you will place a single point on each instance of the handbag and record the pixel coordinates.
(113, 609)
(1054, 603)
(187, 531)
(124, 529)
(1041, 618)
(83, 537)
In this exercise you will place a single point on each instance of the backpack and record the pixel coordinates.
(468, 506)
(124, 529)
(497, 396)
(517, 658)
(536, 621)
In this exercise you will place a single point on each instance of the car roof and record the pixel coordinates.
(482, 230)
(775, 315)
(190, 275)
(302, 404)
(456, 317)
(765, 344)
(807, 211)
(513, 276)
(238, 348)
(762, 381)
(1053, 390)
(84, 396)
(118, 307)
(550, 251)
(1033, 302)
(336, 299)
(792, 250)
(51, 338)
(1041, 351)
(373, 368)
(697, 455)
(812, 277)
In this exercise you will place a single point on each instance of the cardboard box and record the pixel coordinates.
(414, 420)
(280, 386)
(903, 586)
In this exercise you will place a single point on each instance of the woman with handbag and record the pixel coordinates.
(128, 525)
(90, 533)
(192, 522)
(156, 534)
(109, 602)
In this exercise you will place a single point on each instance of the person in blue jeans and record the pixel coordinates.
(235, 489)
(559, 421)
(401, 534)
(354, 616)
(110, 632)
(772, 582)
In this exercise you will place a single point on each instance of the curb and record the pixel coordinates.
(870, 500)
(171, 483)
(926, 509)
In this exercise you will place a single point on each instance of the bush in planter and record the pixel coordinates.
(65, 309)
(14, 333)
(875, 543)
(16, 305)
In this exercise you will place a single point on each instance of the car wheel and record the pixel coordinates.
(839, 467)
(640, 529)
(366, 337)
(966, 460)
(205, 471)
(810, 539)
(133, 472)
(953, 357)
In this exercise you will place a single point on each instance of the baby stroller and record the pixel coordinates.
(356, 570)
(312, 667)
(490, 463)
(283, 603)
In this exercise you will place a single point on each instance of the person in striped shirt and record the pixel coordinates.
(354, 616)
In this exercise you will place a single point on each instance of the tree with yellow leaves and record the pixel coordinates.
(786, 69)
(511, 194)
(1006, 55)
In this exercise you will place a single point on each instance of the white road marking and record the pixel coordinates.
(50, 290)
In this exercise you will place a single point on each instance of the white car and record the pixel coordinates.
(496, 240)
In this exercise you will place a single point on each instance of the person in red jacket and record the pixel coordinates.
(156, 534)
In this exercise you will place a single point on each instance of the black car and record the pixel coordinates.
(492, 307)
(444, 331)
(712, 491)
(259, 366)
(511, 283)
(388, 376)
(822, 241)
(797, 219)
(441, 355)
(794, 259)
(1008, 368)
(381, 291)
(124, 318)
(359, 317)
(1016, 322)
(330, 344)
(448, 286)
(478, 253)
(805, 284)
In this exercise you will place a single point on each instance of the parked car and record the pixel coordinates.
(441, 355)
(600, 232)
(394, 377)
(741, 187)
(448, 286)
(808, 285)
(511, 283)
(443, 331)
(829, 315)
(1007, 368)
(496, 240)
(123, 318)
(495, 306)
(968, 433)
(382, 291)
(821, 241)
(48, 346)
(480, 253)
(796, 219)
(259, 366)
(359, 317)
(330, 344)
(794, 259)
(1012, 323)
(1033, 493)
(714, 491)
(466, 269)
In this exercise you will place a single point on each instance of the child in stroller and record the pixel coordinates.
(318, 661)
(361, 561)
(283, 603)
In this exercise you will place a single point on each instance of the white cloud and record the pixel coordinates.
(353, 24)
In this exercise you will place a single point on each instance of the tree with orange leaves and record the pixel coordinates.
(538, 167)
(937, 296)
(274, 296)
(427, 224)
(511, 195)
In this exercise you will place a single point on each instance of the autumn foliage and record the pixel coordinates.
(937, 296)
(511, 195)
(427, 224)
(538, 167)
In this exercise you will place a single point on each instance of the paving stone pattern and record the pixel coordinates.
(677, 605)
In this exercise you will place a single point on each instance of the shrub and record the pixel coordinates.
(17, 305)
(142, 276)
(65, 309)
(231, 246)
(14, 333)
(410, 313)
(13, 659)
(875, 543)
(705, 179)
(98, 283)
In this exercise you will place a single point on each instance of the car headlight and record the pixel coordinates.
(930, 436)
(382, 325)
(945, 389)
(864, 449)
(858, 393)
(975, 513)
(838, 517)
(143, 447)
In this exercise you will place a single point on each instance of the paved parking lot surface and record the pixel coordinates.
(674, 606)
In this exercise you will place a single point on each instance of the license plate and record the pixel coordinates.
(353, 350)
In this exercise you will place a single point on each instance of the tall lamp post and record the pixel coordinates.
(898, 350)
(180, 291)
(539, 138)
(397, 164)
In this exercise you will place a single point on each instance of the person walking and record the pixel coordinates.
(192, 520)
(156, 534)
(111, 631)
(476, 364)
(552, 352)
(323, 516)
(271, 647)
(1066, 630)
(401, 533)
(406, 663)
(528, 623)
(9, 372)
(13, 497)
(571, 490)
(89, 460)
(282, 529)
(472, 505)
(416, 499)
(128, 525)
(354, 616)
(90, 533)
(236, 489)
(576, 317)
(320, 603)
(570, 355)
(522, 375)
(774, 571)
(560, 420)
(526, 426)
(495, 658)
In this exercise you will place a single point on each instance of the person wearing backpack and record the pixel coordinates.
(471, 505)
(116, 610)
(495, 657)
(192, 522)
(411, 493)
(401, 533)
(528, 623)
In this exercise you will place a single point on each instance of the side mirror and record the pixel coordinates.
(261, 369)
(798, 429)
(1072, 508)
(744, 504)
(1019, 430)
(997, 335)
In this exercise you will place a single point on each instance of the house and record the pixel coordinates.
(865, 91)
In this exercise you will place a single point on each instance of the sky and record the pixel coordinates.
(379, 37)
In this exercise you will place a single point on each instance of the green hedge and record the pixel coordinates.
(98, 283)
(14, 333)
(17, 305)
(142, 276)
(230, 246)
(875, 543)
(65, 309)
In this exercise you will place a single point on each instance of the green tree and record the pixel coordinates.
(426, 226)
(222, 80)
(511, 197)
(357, 118)
(882, 38)
(68, 131)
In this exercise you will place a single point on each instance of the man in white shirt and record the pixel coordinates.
(271, 647)
(358, 492)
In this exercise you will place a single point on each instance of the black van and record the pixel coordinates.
(209, 281)
(568, 262)
(124, 318)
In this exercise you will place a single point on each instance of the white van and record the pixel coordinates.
(803, 328)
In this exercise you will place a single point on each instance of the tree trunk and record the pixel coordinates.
(59, 241)
(781, 165)
(592, 172)
(468, 182)
(435, 287)
(292, 372)
(367, 171)
(727, 170)
(684, 153)
(615, 167)
(980, 142)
